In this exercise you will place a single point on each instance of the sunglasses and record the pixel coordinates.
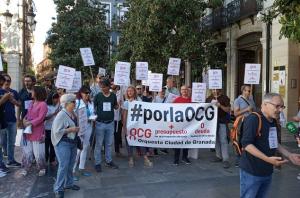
(86, 93)
(7, 80)
(73, 101)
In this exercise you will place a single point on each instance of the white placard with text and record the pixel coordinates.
(215, 79)
(122, 74)
(102, 71)
(65, 77)
(155, 82)
(252, 73)
(87, 56)
(174, 66)
(198, 92)
(77, 83)
(141, 70)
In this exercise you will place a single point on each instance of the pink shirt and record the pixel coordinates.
(36, 115)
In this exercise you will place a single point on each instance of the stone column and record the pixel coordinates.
(231, 51)
(188, 73)
(14, 69)
(263, 42)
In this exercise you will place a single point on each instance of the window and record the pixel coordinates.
(107, 8)
(122, 10)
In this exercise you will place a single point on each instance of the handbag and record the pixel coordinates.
(78, 143)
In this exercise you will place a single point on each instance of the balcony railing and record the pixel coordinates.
(234, 12)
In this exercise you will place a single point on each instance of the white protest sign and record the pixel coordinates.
(172, 125)
(146, 82)
(174, 66)
(215, 79)
(252, 73)
(155, 82)
(282, 78)
(141, 70)
(87, 56)
(1, 65)
(82, 121)
(171, 97)
(198, 92)
(122, 73)
(65, 77)
(77, 83)
(102, 71)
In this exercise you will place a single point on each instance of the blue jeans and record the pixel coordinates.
(254, 186)
(11, 132)
(2, 131)
(104, 132)
(66, 155)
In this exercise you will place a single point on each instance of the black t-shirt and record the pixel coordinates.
(224, 101)
(104, 107)
(24, 96)
(248, 162)
(3, 123)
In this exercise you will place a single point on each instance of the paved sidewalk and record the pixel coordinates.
(200, 179)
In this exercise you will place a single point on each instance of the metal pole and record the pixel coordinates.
(268, 43)
(24, 6)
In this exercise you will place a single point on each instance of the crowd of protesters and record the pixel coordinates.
(49, 117)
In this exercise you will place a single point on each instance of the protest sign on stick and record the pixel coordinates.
(65, 77)
(198, 92)
(77, 83)
(141, 70)
(155, 82)
(122, 73)
(1, 65)
(252, 73)
(174, 66)
(215, 79)
(87, 56)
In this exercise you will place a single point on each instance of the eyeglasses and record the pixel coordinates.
(7, 80)
(138, 88)
(277, 106)
(247, 91)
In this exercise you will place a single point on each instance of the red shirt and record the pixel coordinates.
(180, 99)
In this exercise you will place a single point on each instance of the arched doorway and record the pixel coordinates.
(249, 51)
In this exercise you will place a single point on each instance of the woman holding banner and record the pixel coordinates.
(131, 95)
(84, 101)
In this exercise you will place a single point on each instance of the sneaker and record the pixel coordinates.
(75, 178)
(186, 161)
(216, 159)
(42, 172)
(226, 164)
(74, 187)
(148, 163)
(176, 162)
(85, 173)
(112, 165)
(13, 164)
(4, 169)
(131, 163)
(2, 174)
(59, 194)
(98, 168)
(298, 176)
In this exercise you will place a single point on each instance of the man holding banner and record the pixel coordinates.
(223, 104)
(184, 98)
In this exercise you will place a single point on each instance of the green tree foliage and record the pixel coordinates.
(156, 30)
(289, 17)
(80, 24)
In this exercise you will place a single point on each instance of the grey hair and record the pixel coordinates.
(269, 96)
(67, 98)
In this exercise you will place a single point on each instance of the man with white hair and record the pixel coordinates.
(258, 158)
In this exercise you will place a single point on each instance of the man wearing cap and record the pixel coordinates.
(105, 102)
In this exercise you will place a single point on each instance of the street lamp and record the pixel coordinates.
(8, 17)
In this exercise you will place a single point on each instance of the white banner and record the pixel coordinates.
(65, 77)
(141, 70)
(252, 73)
(82, 121)
(1, 65)
(155, 82)
(171, 125)
(77, 83)
(102, 71)
(198, 92)
(174, 66)
(122, 73)
(215, 79)
(87, 56)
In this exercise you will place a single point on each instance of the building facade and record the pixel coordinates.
(17, 37)
(247, 39)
